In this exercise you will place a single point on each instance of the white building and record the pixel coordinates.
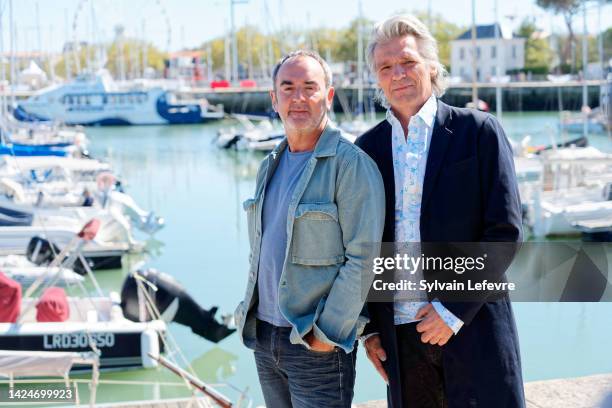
(507, 51)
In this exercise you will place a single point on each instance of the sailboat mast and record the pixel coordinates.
(360, 64)
(145, 49)
(498, 71)
(2, 74)
(474, 63)
(65, 54)
(12, 50)
(600, 49)
(226, 55)
(585, 100)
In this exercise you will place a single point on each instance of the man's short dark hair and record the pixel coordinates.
(303, 53)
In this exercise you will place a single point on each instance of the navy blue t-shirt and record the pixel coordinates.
(274, 236)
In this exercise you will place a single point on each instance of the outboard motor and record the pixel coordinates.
(172, 301)
(607, 192)
(41, 252)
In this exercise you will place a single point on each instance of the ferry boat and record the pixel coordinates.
(97, 100)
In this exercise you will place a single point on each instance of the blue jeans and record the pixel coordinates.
(293, 376)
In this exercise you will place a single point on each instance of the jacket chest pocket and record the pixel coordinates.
(317, 237)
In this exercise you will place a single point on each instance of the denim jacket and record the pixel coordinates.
(334, 227)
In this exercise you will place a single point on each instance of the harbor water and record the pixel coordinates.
(199, 190)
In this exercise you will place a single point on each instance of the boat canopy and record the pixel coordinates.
(42, 363)
(53, 306)
(10, 299)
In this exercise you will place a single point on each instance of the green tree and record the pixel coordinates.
(607, 43)
(567, 8)
(132, 57)
(76, 59)
(348, 38)
(131, 50)
(339, 45)
(538, 54)
(444, 32)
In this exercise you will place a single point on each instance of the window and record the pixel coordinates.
(461, 53)
(514, 52)
(493, 71)
(477, 52)
(493, 52)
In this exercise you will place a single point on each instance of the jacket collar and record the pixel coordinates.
(326, 145)
(427, 113)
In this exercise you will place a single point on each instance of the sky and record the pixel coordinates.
(176, 24)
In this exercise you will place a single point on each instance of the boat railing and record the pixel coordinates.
(243, 401)
(47, 374)
(174, 352)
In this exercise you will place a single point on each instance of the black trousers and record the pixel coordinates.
(421, 371)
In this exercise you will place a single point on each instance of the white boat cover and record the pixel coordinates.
(41, 363)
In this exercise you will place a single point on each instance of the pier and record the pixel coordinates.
(594, 391)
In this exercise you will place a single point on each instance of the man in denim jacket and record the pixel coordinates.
(314, 225)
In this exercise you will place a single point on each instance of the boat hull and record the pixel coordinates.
(121, 345)
(92, 106)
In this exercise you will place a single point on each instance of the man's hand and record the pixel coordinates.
(377, 355)
(317, 345)
(434, 329)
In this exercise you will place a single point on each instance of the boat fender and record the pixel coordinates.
(149, 343)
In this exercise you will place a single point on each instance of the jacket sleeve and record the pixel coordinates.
(502, 221)
(372, 326)
(360, 199)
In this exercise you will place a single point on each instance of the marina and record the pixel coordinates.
(193, 176)
(126, 157)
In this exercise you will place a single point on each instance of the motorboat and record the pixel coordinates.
(25, 272)
(560, 212)
(47, 169)
(563, 189)
(95, 99)
(62, 198)
(594, 121)
(104, 252)
(125, 330)
(263, 136)
(47, 318)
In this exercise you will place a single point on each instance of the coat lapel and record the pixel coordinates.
(385, 162)
(439, 142)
